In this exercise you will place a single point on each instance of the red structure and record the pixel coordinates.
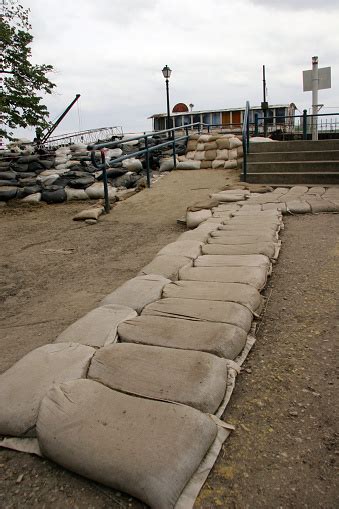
(180, 108)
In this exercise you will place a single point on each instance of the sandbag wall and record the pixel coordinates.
(66, 173)
(130, 395)
(216, 151)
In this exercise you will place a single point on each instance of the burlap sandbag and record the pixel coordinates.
(138, 292)
(203, 204)
(207, 138)
(232, 154)
(166, 265)
(222, 154)
(189, 248)
(205, 165)
(246, 237)
(212, 145)
(243, 229)
(217, 164)
(230, 196)
(191, 378)
(231, 164)
(191, 145)
(255, 220)
(143, 447)
(318, 190)
(298, 207)
(275, 207)
(23, 386)
(197, 234)
(221, 339)
(202, 310)
(188, 165)
(255, 276)
(223, 143)
(199, 155)
(230, 240)
(235, 143)
(189, 155)
(223, 216)
(243, 294)
(200, 146)
(93, 213)
(193, 219)
(98, 327)
(321, 205)
(210, 155)
(256, 260)
(222, 207)
(270, 249)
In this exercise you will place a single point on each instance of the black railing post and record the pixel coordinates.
(174, 153)
(104, 177)
(148, 176)
(304, 124)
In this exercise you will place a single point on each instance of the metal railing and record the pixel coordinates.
(246, 138)
(172, 140)
(89, 136)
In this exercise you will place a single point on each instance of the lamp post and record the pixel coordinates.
(167, 73)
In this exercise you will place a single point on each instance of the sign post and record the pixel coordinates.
(315, 80)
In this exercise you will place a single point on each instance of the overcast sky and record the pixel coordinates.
(112, 53)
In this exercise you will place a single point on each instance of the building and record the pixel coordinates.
(230, 118)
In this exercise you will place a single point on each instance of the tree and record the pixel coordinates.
(22, 81)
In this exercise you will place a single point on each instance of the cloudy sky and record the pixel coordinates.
(112, 53)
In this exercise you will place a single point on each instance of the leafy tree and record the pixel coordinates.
(22, 81)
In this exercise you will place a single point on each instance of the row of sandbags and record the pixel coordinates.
(141, 415)
(217, 151)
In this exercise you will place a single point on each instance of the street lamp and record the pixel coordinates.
(167, 73)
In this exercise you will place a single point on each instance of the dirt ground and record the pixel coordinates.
(282, 453)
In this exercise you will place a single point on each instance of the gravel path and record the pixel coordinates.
(283, 451)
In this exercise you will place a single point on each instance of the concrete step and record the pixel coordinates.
(294, 167)
(305, 155)
(293, 178)
(294, 146)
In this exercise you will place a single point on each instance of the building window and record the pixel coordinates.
(206, 118)
(280, 115)
(178, 121)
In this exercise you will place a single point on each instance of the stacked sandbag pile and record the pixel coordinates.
(64, 174)
(217, 151)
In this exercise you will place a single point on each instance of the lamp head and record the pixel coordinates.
(166, 72)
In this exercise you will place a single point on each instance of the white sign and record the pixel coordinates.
(324, 79)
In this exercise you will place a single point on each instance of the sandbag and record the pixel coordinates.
(232, 154)
(167, 164)
(96, 191)
(221, 339)
(316, 190)
(191, 145)
(196, 234)
(222, 154)
(23, 386)
(137, 292)
(231, 164)
(75, 194)
(7, 192)
(32, 198)
(167, 266)
(217, 164)
(212, 145)
(229, 196)
(193, 219)
(210, 155)
(132, 164)
(245, 238)
(280, 206)
(255, 276)
(202, 310)
(257, 260)
(93, 213)
(206, 138)
(98, 327)
(298, 207)
(205, 165)
(204, 204)
(57, 196)
(321, 205)
(191, 378)
(189, 248)
(146, 448)
(269, 249)
(242, 294)
(188, 165)
(199, 155)
(189, 155)
(223, 143)
(235, 143)
(223, 216)
(249, 228)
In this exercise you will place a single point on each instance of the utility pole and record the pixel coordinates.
(264, 104)
(315, 87)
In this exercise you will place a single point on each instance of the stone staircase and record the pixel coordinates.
(294, 162)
